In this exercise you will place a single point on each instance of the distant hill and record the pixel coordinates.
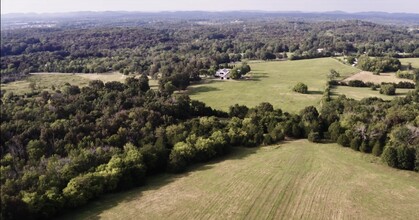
(124, 18)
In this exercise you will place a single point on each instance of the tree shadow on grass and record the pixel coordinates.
(201, 89)
(96, 207)
(315, 92)
(257, 77)
(404, 93)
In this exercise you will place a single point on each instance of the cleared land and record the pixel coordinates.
(294, 180)
(366, 76)
(413, 61)
(360, 93)
(46, 81)
(272, 82)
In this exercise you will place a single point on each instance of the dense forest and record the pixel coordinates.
(192, 47)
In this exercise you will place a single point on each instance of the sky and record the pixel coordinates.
(47, 6)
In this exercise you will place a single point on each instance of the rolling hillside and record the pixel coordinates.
(293, 180)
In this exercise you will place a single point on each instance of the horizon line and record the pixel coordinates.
(209, 11)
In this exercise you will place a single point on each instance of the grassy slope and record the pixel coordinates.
(272, 82)
(295, 180)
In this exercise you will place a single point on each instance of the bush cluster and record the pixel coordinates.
(300, 88)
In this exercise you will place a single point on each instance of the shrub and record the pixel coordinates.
(377, 149)
(300, 88)
(389, 156)
(356, 143)
(356, 83)
(71, 90)
(388, 89)
(405, 85)
(83, 188)
(334, 131)
(406, 158)
(365, 147)
(267, 139)
(314, 137)
(417, 161)
(343, 140)
(239, 111)
(180, 156)
(297, 131)
(276, 134)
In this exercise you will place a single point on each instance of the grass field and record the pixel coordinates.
(294, 180)
(366, 76)
(45, 81)
(360, 93)
(413, 61)
(272, 82)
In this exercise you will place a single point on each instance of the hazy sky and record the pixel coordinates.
(12, 6)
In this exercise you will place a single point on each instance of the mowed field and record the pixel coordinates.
(46, 81)
(292, 180)
(272, 82)
(360, 93)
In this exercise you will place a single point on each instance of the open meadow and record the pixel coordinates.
(413, 61)
(360, 93)
(292, 180)
(272, 82)
(48, 81)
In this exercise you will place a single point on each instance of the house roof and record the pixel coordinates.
(222, 72)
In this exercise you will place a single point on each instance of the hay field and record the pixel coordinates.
(292, 180)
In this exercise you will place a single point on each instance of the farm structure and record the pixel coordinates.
(223, 73)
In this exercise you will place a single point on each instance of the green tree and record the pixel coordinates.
(333, 74)
(239, 111)
(314, 137)
(365, 147)
(356, 143)
(235, 73)
(300, 88)
(389, 156)
(405, 157)
(335, 131)
(377, 149)
(143, 83)
(343, 140)
(388, 89)
(36, 149)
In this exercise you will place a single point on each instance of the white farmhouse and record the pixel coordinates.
(223, 73)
